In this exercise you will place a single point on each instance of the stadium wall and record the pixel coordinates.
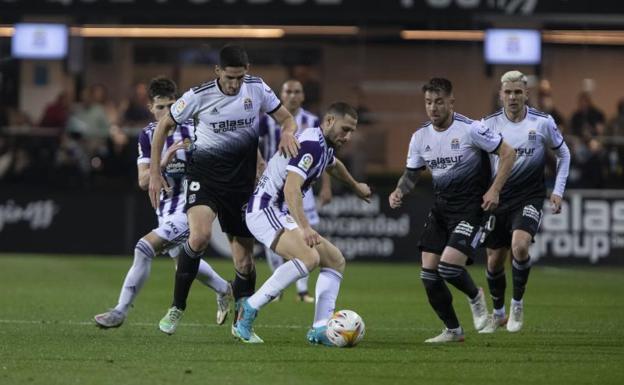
(589, 231)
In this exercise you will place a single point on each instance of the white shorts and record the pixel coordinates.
(265, 224)
(174, 230)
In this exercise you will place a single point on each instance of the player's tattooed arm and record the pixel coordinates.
(408, 180)
(406, 185)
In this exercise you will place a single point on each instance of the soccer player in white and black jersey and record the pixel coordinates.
(290, 234)
(222, 170)
(454, 148)
(292, 97)
(531, 133)
(172, 230)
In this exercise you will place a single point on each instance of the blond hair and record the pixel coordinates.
(514, 76)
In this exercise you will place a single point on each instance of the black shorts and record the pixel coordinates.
(230, 206)
(525, 217)
(461, 231)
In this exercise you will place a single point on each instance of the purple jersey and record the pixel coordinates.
(174, 172)
(313, 158)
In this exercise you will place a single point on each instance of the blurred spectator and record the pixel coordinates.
(72, 163)
(546, 104)
(136, 113)
(89, 119)
(588, 121)
(19, 122)
(616, 125)
(57, 112)
(594, 170)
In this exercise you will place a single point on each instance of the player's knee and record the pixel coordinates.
(335, 261)
(310, 258)
(199, 240)
(520, 251)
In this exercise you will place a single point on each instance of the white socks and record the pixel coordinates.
(211, 278)
(137, 275)
(302, 285)
(274, 261)
(327, 288)
(283, 277)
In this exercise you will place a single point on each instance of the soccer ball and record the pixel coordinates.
(345, 328)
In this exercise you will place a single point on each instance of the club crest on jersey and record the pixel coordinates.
(247, 104)
(180, 105)
(455, 144)
(306, 162)
(532, 135)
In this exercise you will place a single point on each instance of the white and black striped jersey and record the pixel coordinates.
(457, 158)
(225, 132)
(530, 137)
(175, 171)
(314, 156)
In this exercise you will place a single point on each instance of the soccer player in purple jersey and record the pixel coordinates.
(531, 133)
(454, 148)
(290, 234)
(172, 228)
(292, 97)
(222, 170)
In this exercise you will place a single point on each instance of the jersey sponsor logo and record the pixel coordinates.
(232, 125)
(455, 144)
(247, 104)
(531, 212)
(464, 228)
(306, 162)
(532, 135)
(443, 162)
(176, 168)
(180, 106)
(525, 151)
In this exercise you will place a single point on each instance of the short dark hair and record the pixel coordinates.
(342, 109)
(439, 85)
(233, 56)
(162, 87)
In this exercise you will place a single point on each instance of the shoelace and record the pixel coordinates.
(175, 314)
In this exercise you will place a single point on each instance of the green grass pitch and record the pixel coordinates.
(574, 330)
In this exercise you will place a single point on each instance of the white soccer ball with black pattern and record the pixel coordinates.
(345, 329)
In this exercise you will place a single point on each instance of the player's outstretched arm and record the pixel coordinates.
(406, 185)
(288, 145)
(325, 195)
(294, 199)
(340, 172)
(563, 169)
(157, 182)
(507, 156)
